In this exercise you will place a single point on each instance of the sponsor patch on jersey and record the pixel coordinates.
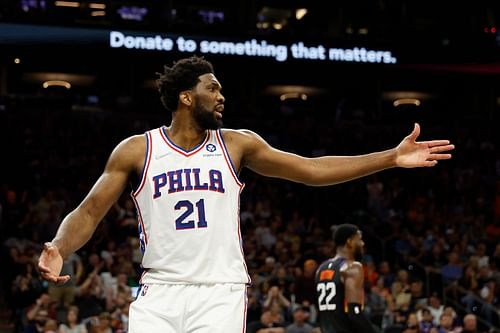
(210, 147)
(327, 274)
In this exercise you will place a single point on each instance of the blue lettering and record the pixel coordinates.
(197, 185)
(159, 182)
(175, 180)
(216, 181)
(188, 180)
(188, 186)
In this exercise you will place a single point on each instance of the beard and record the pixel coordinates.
(358, 254)
(205, 118)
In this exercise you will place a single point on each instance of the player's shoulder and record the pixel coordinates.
(242, 137)
(130, 150)
(135, 142)
(238, 133)
(354, 268)
(238, 137)
(356, 264)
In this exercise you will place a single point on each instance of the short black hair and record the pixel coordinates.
(183, 75)
(343, 232)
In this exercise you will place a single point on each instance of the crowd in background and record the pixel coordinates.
(432, 253)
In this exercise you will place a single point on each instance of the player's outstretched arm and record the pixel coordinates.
(79, 225)
(259, 156)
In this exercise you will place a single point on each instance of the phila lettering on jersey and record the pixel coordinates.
(188, 211)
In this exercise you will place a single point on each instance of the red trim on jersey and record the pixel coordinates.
(245, 310)
(139, 218)
(220, 139)
(249, 279)
(149, 153)
(178, 149)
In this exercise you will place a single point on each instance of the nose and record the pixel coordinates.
(220, 98)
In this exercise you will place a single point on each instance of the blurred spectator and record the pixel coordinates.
(72, 324)
(376, 302)
(402, 297)
(38, 314)
(50, 326)
(254, 309)
(386, 273)
(275, 297)
(89, 295)
(436, 308)
(446, 324)
(102, 324)
(299, 325)
(412, 325)
(426, 321)
(64, 295)
(265, 325)
(452, 271)
(470, 324)
(489, 308)
(304, 288)
(418, 297)
(283, 280)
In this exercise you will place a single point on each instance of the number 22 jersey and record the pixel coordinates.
(188, 212)
(330, 290)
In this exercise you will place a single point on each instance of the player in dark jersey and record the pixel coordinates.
(339, 285)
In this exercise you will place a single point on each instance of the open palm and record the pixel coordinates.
(412, 154)
(50, 265)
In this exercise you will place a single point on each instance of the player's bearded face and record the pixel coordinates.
(358, 252)
(204, 116)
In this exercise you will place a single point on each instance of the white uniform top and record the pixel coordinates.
(188, 207)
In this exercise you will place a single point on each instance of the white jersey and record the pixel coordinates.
(188, 211)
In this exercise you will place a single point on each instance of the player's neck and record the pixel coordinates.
(185, 133)
(342, 253)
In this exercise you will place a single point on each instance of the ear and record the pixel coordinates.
(186, 98)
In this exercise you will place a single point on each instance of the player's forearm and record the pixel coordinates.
(330, 170)
(75, 230)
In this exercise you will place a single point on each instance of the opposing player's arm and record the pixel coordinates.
(260, 157)
(354, 294)
(78, 226)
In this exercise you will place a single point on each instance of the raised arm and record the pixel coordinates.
(79, 225)
(260, 157)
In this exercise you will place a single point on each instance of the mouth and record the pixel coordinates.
(219, 110)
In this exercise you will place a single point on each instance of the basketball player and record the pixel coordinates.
(339, 285)
(187, 193)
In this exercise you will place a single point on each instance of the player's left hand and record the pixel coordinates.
(50, 264)
(412, 154)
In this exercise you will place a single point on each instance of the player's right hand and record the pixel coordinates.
(50, 264)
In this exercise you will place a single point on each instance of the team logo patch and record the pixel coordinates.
(327, 274)
(210, 147)
(144, 290)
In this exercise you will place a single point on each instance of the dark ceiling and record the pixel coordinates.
(440, 43)
(404, 21)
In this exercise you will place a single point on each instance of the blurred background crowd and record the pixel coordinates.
(432, 255)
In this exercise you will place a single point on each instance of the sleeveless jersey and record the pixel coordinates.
(330, 290)
(188, 213)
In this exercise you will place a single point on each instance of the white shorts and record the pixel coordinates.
(189, 308)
